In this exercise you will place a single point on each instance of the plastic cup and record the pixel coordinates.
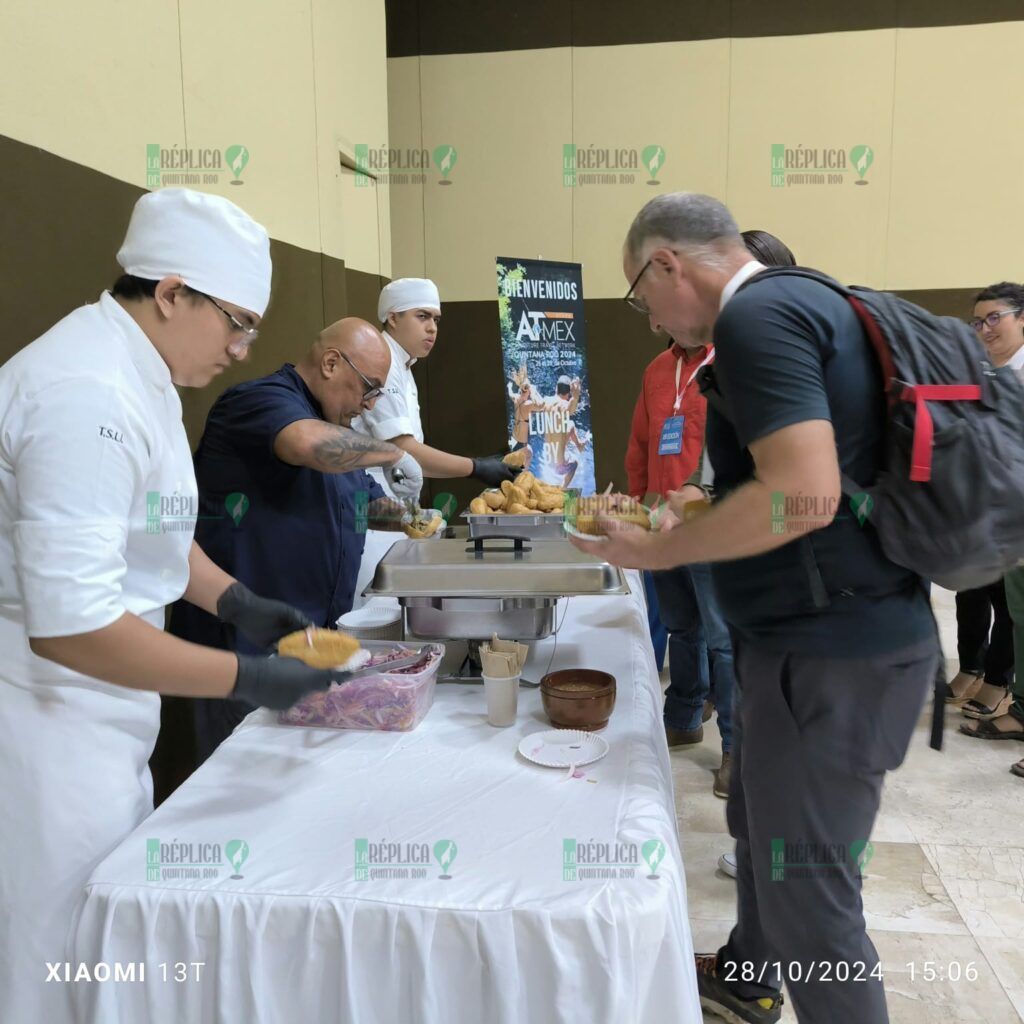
(502, 697)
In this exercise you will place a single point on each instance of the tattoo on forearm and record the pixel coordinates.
(345, 449)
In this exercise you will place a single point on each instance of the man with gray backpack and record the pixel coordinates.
(859, 443)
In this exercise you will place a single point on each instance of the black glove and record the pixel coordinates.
(263, 621)
(277, 683)
(491, 470)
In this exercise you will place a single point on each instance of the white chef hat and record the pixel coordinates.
(407, 293)
(207, 241)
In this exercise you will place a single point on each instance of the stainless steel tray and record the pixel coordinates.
(479, 618)
(542, 526)
(493, 567)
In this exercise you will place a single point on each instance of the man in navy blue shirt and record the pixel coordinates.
(835, 646)
(279, 455)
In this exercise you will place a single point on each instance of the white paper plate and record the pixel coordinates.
(562, 748)
(573, 532)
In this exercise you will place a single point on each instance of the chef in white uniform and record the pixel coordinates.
(97, 509)
(409, 311)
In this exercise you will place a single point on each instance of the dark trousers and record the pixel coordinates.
(659, 635)
(700, 650)
(813, 738)
(980, 651)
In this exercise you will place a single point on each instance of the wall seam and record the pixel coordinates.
(316, 166)
(181, 75)
(884, 284)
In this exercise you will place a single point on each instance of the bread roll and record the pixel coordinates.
(330, 648)
(517, 459)
(418, 529)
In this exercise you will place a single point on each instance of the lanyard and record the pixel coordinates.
(679, 369)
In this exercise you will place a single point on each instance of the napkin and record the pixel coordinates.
(502, 659)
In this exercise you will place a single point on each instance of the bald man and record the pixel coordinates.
(284, 505)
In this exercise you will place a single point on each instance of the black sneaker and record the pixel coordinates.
(718, 998)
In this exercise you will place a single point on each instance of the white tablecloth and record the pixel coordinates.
(506, 939)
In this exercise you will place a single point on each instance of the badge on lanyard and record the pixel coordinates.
(671, 442)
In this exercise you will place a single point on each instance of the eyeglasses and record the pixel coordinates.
(991, 320)
(372, 390)
(638, 304)
(249, 334)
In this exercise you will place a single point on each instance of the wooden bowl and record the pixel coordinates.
(578, 698)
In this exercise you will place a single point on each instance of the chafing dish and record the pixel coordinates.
(459, 590)
(540, 526)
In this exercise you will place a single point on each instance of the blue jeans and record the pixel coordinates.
(700, 651)
(659, 636)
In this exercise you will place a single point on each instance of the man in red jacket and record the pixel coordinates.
(665, 457)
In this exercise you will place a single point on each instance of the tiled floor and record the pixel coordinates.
(945, 884)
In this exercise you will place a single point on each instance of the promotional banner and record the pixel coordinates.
(544, 355)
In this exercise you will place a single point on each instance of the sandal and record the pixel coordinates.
(963, 688)
(983, 712)
(1018, 769)
(990, 730)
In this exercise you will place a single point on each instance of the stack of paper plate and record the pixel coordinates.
(378, 619)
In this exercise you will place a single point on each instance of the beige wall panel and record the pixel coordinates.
(674, 95)
(92, 82)
(349, 51)
(406, 200)
(817, 91)
(248, 79)
(506, 115)
(957, 217)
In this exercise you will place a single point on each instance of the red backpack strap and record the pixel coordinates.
(924, 428)
(878, 343)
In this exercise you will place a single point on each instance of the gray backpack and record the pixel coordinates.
(949, 501)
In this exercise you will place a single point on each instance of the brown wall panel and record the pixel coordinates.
(363, 289)
(465, 26)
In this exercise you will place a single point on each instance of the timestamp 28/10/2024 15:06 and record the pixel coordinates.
(843, 971)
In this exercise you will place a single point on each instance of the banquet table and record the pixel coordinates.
(427, 876)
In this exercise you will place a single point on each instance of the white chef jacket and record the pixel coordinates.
(397, 411)
(97, 506)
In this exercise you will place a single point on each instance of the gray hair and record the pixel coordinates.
(700, 227)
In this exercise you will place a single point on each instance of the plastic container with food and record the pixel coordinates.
(388, 702)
